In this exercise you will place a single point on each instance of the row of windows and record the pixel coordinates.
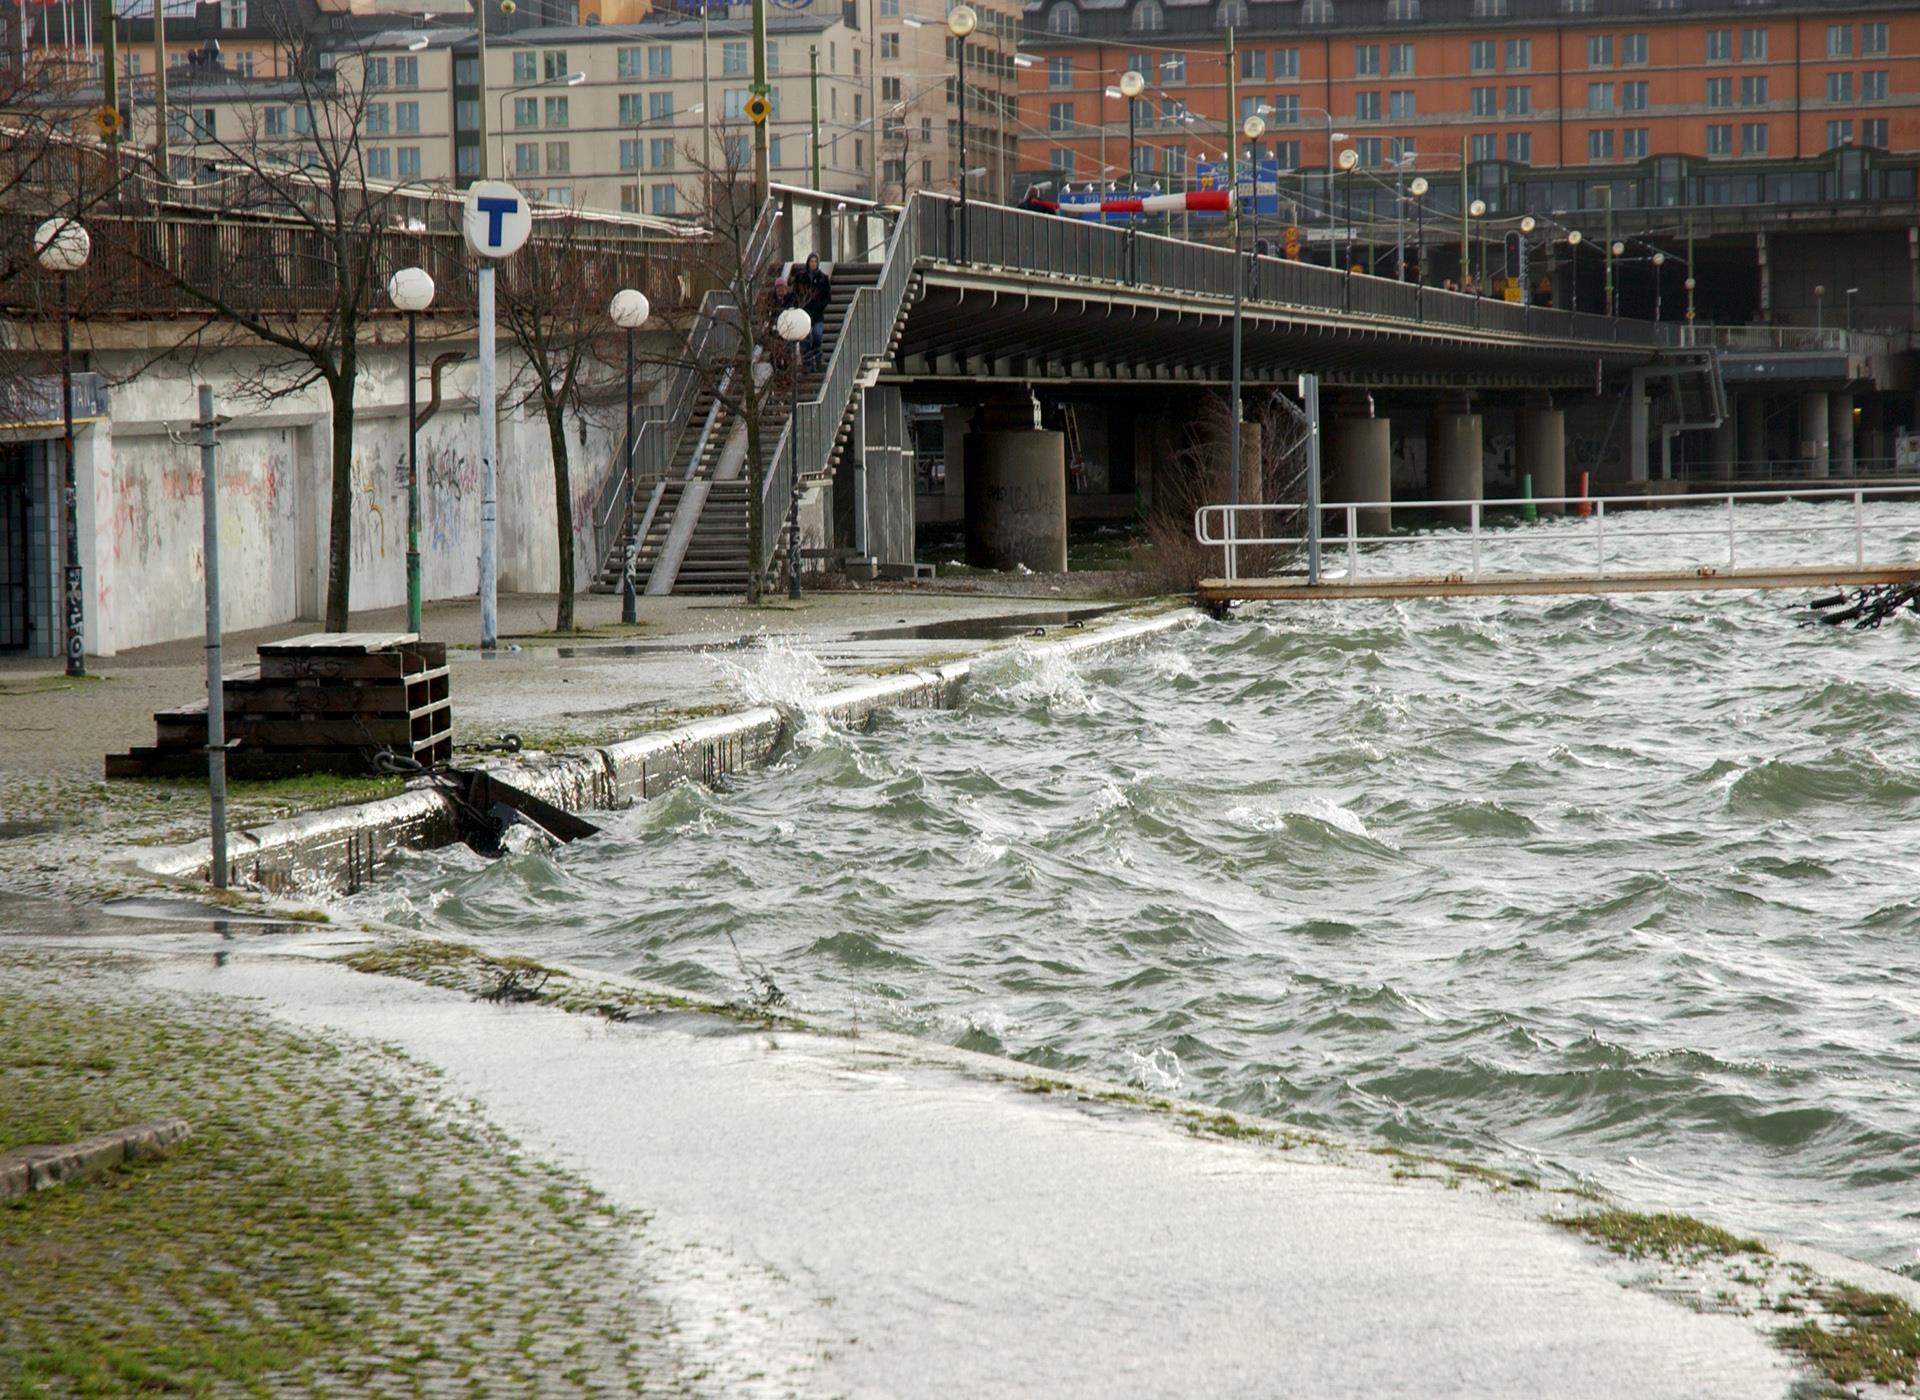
(380, 118)
(393, 162)
(393, 72)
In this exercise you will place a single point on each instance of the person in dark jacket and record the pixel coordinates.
(811, 290)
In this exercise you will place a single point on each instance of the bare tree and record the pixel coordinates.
(1199, 474)
(304, 263)
(553, 298)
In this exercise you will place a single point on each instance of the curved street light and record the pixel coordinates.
(629, 311)
(62, 246)
(411, 290)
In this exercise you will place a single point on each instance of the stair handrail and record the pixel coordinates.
(655, 438)
(866, 331)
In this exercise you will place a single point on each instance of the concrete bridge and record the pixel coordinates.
(1003, 316)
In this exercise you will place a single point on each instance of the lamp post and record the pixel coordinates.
(1852, 292)
(1349, 158)
(961, 21)
(1615, 249)
(793, 326)
(629, 310)
(1690, 285)
(1253, 128)
(570, 80)
(411, 290)
(1659, 261)
(1476, 210)
(1132, 84)
(1418, 189)
(1573, 255)
(1819, 307)
(62, 246)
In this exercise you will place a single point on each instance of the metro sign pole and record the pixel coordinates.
(497, 221)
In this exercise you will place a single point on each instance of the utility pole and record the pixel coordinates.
(1466, 261)
(480, 37)
(110, 74)
(160, 153)
(1233, 218)
(706, 97)
(813, 87)
(216, 689)
(762, 171)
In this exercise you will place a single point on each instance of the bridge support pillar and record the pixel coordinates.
(1016, 494)
(1542, 444)
(1751, 410)
(1723, 446)
(1840, 447)
(1813, 433)
(1456, 459)
(1359, 461)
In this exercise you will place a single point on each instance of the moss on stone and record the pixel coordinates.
(1673, 1237)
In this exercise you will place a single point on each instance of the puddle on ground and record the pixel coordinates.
(656, 648)
(983, 629)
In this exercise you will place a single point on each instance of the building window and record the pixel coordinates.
(1633, 50)
(1368, 149)
(1059, 161)
(630, 149)
(1148, 18)
(1400, 105)
(1286, 109)
(242, 64)
(1753, 91)
(466, 72)
(555, 61)
(889, 89)
(374, 121)
(1576, 7)
(1286, 64)
(233, 14)
(466, 162)
(1063, 19)
(1249, 106)
(1489, 9)
(1719, 92)
(1753, 45)
(526, 157)
(376, 70)
(1400, 150)
(1873, 132)
(1482, 52)
(629, 200)
(559, 158)
(1316, 12)
(889, 9)
(1633, 143)
(1173, 68)
(409, 162)
(631, 109)
(1520, 147)
(1600, 97)
(659, 60)
(1873, 38)
(1753, 138)
(1719, 139)
(1485, 146)
(1400, 60)
(733, 57)
(1600, 51)
(1059, 70)
(1633, 96)
(1059, 116)
(379, 163)
(1519, 55)
(1599, 145)
(559, 195)
(1366, 60)
(664, 199)
(659, 106)
(1839, 41)
(1719, 46)
(302, 121)
(466, 114)
(1519, 101)
(1286, 155)
(406, 116)
(557, 108)
(406, 72)
(526, 112)
(1873, 86)
(890, 50)
(627, 63)
(1366, 106)
(1839, 134)
(526, 68)
(1839, 87)
(1484, 101)
(1232, 14)
(276, 121)
(1253, 64)
(773, 57)
(1403, 9)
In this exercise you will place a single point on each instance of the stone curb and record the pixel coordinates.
(37, 1167)
(340, 848)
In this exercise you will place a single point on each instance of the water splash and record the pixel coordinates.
(1158, 1071)
(773, 671)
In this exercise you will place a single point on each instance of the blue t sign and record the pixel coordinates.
(497, 219)
(496, 209)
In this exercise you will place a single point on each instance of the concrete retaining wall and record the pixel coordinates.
(341, 848)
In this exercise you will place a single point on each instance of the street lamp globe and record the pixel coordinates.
(793, 325)
(1253, 128)
(1419, 186)
(1690, 284)
(961, 21)
(1349, 158)
(62, 245)
(630, 309)
(1659, 259)
(410, 289)
(1573, 238)
(1619, 249)
(1528, 224)
(1477, 208)
(1132, 84)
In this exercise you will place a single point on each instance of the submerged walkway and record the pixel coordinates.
(1700, 580)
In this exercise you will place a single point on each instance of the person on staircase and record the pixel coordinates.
(811, 291)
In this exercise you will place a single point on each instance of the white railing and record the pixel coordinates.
(1740, 529)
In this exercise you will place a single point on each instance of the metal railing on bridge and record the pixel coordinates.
(1599, 536)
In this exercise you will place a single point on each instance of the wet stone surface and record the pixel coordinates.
(337, 1224)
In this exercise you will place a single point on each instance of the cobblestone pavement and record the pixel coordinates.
(338, 1223)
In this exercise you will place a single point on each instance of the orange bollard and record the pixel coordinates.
(1585, 507)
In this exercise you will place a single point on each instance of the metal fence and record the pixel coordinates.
(1582, 544)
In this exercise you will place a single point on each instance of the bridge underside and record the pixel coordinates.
(985, 328)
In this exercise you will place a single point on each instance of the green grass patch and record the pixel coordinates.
(1876, 1336)
(1223, 1125)
(1670, 1237)
(1412, 1164)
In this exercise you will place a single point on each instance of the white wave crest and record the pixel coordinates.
(1158, 1071)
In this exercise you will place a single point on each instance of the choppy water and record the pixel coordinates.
(1613, 889)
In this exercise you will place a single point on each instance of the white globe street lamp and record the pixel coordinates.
(1132, 84)
(1574, 239)
(1476, 210)
(961, 21)
(411, 290)
(793, 326)
(629, 310)
(62, 247)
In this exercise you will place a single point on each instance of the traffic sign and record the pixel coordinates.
(1292, 243)
(497, 220)
(106, 120)
(757, 108)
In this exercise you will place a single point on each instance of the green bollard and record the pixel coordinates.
(1527, 511)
